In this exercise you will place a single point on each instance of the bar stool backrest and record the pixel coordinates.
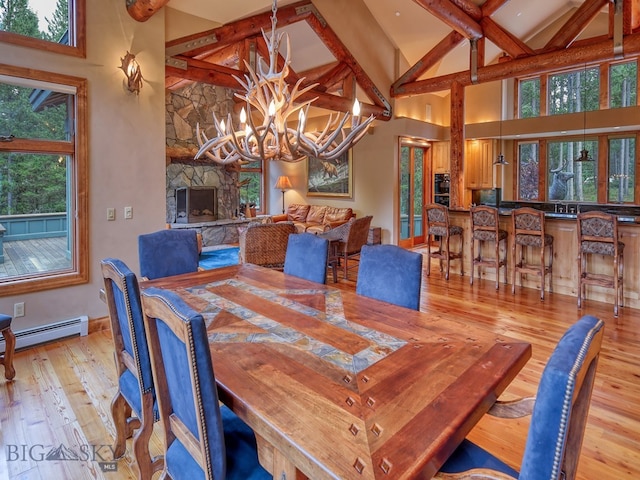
(437, 220)
(598, 233)
(528, 226)
(484, 222)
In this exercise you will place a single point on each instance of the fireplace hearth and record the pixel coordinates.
(196, 204)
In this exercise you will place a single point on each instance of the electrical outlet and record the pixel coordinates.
(128, 213)
(111, 214)
(18, 310)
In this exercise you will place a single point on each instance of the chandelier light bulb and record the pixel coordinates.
(243, 116)
(272, 108)
(223, 128)
(356, 108)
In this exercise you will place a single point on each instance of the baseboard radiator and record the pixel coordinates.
(52, 331)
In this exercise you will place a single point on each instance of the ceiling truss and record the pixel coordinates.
(215, 56)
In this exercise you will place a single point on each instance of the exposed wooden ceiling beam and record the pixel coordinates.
(430, 59)
(544, 62)
(211, 43)
(578, 21)
(504, 40)
(453, 16)
(239, 30)
(143, 10)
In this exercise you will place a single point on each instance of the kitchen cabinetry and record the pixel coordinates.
(441, 156)
(478, 169)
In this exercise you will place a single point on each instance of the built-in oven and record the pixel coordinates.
(441, 186)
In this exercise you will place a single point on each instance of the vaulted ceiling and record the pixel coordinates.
(445, 42)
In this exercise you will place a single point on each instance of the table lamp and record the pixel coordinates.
(283, 184)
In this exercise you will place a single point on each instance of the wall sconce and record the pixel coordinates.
(283, 184)
(131, 69)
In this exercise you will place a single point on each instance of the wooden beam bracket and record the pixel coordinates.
(191, 44)
(175, 62)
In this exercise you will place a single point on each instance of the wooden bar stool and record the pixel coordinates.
(598, 234)
(10, 346)
(528, 231)
(485, 227)
(438, 226)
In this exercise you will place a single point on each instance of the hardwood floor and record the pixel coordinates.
(62, 392)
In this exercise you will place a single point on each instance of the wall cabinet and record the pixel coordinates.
(478, 168)
(441, 156)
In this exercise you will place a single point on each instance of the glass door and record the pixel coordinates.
(413, 172)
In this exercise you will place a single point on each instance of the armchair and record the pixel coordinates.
(350, 238)
(265, 244)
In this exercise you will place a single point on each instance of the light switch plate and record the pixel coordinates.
(111, 214)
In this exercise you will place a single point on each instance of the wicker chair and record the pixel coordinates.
(265, 244)
(351, 237)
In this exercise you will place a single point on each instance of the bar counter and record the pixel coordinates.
(563, 227)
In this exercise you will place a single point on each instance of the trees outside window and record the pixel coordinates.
(529, 101)
(528, 171)
(576, 91)
(64, 32)
(623, 84)
(622, 169)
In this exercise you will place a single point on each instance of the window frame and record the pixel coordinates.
(77, 149)
(77, 30)
(603, 166)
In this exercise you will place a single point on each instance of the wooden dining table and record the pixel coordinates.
(340, 386)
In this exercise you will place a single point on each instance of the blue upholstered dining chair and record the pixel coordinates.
(136, 392)
(307, 256)
(391, 274)
(202, 439)
(168, 252)
(559, 414)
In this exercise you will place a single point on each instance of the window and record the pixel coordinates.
(568, 180)
(53, 25)
(529, 101)
(576, 91)
(623, 85)
(43, 180)
(528, 171)
(622, 178)
(251, 186)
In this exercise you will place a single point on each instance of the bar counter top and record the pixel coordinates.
(627, 214)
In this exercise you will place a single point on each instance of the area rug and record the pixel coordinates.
(217, 258)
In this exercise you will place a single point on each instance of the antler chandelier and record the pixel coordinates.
(269, 98)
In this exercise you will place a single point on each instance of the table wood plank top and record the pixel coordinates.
(337, 385)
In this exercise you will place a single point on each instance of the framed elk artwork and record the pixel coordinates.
(332, 178)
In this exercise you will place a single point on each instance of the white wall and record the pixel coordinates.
(126, 150)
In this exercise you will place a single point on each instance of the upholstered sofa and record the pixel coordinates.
(314, 218)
